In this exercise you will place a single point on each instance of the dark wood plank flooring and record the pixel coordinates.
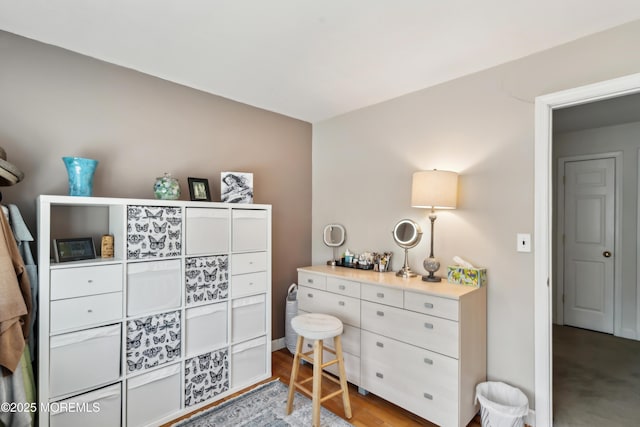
(368, 411)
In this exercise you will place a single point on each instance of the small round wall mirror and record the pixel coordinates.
(334, 236)
(407, 234)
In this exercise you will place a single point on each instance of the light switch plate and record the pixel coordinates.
(524, 242)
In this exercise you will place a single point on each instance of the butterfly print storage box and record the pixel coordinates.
(153, 341)
(153, 231)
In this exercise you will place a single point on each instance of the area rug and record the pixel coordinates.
(264, 406)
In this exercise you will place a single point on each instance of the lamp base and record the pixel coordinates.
(406, 273)
(431, 278)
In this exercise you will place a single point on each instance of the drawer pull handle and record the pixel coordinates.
(250, 262)
(428, 325)
(380, 295)
(428, 361)
(90, 311)
(310, 295)
(90, 281)
(342, 287)
(250, 283)
(379, 344)
(309, 280)
(428, 305)
(428, 396)
(380, 313)
(341, 303)
(379, 375)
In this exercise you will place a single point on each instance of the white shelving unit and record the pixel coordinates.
(178, 318)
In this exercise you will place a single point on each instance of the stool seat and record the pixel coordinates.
(317, 326)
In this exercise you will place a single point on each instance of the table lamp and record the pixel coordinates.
(434, 189)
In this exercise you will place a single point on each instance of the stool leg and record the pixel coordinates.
(343, 377)
(294, 374)
(317, 381)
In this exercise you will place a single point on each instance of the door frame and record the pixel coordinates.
(543, 181)
(617, 215)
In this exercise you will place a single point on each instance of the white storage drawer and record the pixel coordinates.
(206, 328)
(84, 359)
(344, 287)
(433, 333)
(82, 281)
(100, 408)
(248, 284)
(248, 263)
(248, 317)
(248, 362)
(383, 295)
(350, 340)
(207, 231)
(249, 230)
(163, 385)
(81, 312)
(312, 280)
(153, 286)
(343, 307)
(432, 305)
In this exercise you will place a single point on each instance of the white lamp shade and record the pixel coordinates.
(434, 189)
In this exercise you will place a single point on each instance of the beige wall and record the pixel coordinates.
(623, 138)
(55, 103)
(482, 126)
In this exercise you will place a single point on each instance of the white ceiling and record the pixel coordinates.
(310, 59)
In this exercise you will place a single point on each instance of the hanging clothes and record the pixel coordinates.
(15, 301)
(23, 238)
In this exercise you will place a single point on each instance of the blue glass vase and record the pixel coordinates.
(80, 172)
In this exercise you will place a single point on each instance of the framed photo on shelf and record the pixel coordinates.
(236, 187)
(75, 249)
(199, 189)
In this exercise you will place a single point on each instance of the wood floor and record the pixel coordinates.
(368, 411)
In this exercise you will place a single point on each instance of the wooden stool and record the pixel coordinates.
(317, 327)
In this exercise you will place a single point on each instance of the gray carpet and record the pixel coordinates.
(596, 379)
(263, 406)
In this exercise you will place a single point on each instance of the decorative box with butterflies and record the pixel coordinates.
(207, 279)
(205, 376)
(153, 341)
(153, 231)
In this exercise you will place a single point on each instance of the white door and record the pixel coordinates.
(589, 224)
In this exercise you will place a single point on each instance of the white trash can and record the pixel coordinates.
(501, 405)
(291, 311)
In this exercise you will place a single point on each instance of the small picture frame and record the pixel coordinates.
(76, 249)
(199, 189)
(236, 187)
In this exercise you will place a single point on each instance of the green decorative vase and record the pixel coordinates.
(166, 188)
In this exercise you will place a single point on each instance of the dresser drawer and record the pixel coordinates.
(351, 361)
(432, 333)
(75, 313)
(383, 295)
(82, 281)
(312, 280)
(248, 284)
(248, 263)
(344, 287)
(350, 340)
(432, 305)
(343, 307)
(419, 367)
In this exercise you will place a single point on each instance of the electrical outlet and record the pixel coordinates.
(524, 242)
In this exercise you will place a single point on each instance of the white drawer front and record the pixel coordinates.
(207, 231)
(383, 295)
(81, 312)
(82, 281)
(343, 307)
(107, 399)
(312, 280)
(350, 340)
(419, 367)
(433, 333)
(344, 287)
(249, 230)
(351, 362)
(249, 262)
(432, 305)
(248, 284)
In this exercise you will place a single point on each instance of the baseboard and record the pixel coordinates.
(530, 419)
(278, 344)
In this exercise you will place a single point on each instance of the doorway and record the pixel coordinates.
(543, 239)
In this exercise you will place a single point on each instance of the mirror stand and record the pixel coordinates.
(334, 236)
(405, 272)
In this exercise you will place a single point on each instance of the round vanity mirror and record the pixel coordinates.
(334, 236)
(407, 234)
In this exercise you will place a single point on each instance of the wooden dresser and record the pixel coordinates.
(419, 345)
